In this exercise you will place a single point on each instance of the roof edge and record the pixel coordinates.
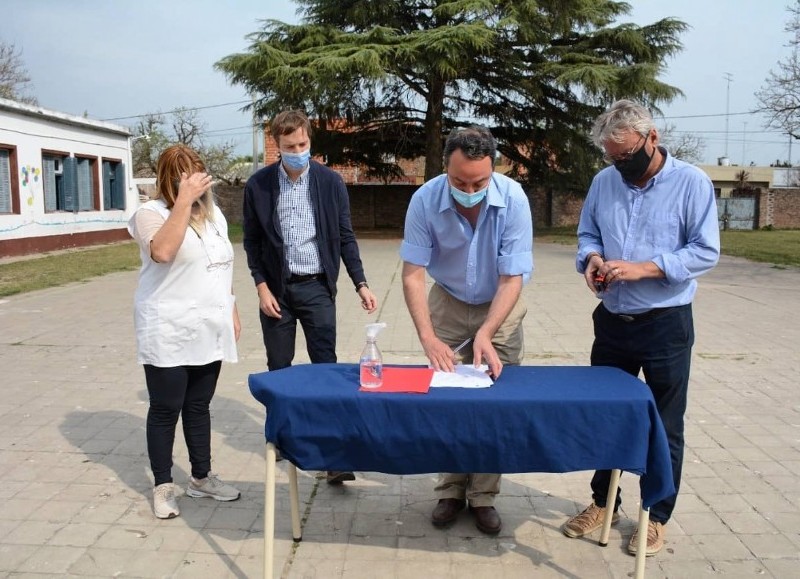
(38, 112)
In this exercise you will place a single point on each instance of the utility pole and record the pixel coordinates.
(729, 77)
(255, 135)
(744, 142)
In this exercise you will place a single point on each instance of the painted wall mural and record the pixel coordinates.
(31, 177)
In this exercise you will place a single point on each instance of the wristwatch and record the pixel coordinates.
(361, 284)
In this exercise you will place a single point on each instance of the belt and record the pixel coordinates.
(297, 278)
(642, 316)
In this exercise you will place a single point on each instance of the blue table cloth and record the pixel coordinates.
(533, 419)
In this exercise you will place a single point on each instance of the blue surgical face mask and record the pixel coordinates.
(296, 161)
(468, 200)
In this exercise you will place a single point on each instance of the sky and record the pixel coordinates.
(116, 60)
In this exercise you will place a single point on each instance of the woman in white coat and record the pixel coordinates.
(186, 320)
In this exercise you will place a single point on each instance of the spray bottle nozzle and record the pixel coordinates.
(374, 329)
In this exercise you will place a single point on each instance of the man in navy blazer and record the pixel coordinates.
(297, 229)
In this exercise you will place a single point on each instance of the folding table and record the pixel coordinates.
(533, 419)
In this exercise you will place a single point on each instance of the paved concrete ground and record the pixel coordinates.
(75, 484)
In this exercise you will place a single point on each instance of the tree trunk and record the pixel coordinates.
(433, 129)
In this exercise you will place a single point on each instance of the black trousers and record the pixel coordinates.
(661, 347)
(310, 303)
(184, 391)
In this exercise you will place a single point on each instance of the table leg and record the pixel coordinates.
(641, 547)
(269, 512)
(611, 499)
(294, 498)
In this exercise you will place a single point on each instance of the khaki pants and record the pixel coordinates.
(454, 321)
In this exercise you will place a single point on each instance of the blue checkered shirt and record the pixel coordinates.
(299, 230)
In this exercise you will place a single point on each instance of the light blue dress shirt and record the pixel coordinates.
(468, 263)
(671, 221)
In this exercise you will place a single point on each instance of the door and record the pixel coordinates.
(736, 212)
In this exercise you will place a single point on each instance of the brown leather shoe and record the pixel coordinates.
(487, 520)
(446, 511)
(335, 477)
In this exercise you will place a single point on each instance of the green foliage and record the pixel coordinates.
(406, 73)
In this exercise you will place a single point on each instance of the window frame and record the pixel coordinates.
(62, 155)
(13, 180)
(95, 181)
(117, 167)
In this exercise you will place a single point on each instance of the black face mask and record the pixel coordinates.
(632, 169)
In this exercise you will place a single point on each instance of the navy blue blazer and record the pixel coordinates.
(263, 241)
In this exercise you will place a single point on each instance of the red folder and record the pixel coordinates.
(404, 379)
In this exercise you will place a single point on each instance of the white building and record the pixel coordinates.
(64, 180)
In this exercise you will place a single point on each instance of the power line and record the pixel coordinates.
(176, 109)
(706, 116)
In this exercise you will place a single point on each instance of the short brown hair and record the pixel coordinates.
(287, 122)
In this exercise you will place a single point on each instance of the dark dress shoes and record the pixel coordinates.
(487, 519)
(446, 511)
(335, 477)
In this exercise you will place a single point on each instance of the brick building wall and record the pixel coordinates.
(785, 208)
(229, 198)
(383, 207)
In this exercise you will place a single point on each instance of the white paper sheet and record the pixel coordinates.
(465, 376)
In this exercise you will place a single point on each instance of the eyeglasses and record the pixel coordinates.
(627, 156)
(222, 254)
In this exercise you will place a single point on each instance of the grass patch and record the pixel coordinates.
(67, 267)
(235, 232)
(778, 246)
(781, 247)
(55, 269)
(559, 235)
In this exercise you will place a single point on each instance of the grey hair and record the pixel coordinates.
(622, 117)
(475, 142)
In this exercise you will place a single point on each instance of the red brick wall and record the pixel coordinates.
(785, 208)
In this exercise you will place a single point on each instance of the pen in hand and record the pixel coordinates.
(457, 349)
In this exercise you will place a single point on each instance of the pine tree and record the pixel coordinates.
(388, 79)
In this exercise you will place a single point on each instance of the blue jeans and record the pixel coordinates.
(661, 347)
(310, 303)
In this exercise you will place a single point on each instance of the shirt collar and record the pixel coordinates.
(285, 175)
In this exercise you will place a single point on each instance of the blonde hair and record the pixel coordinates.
(173, 162)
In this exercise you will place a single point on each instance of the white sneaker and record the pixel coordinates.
(212, 487)
(164, 504)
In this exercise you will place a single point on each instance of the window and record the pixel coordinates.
(113, 184)
(9, 183)
(87, 183)
(59, 181)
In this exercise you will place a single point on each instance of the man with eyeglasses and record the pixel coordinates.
(647, 230)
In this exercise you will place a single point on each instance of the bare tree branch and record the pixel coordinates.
(14, 77)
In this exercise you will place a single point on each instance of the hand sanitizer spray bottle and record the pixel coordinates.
(371, 363)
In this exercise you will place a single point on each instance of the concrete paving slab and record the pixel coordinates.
(76, 486)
